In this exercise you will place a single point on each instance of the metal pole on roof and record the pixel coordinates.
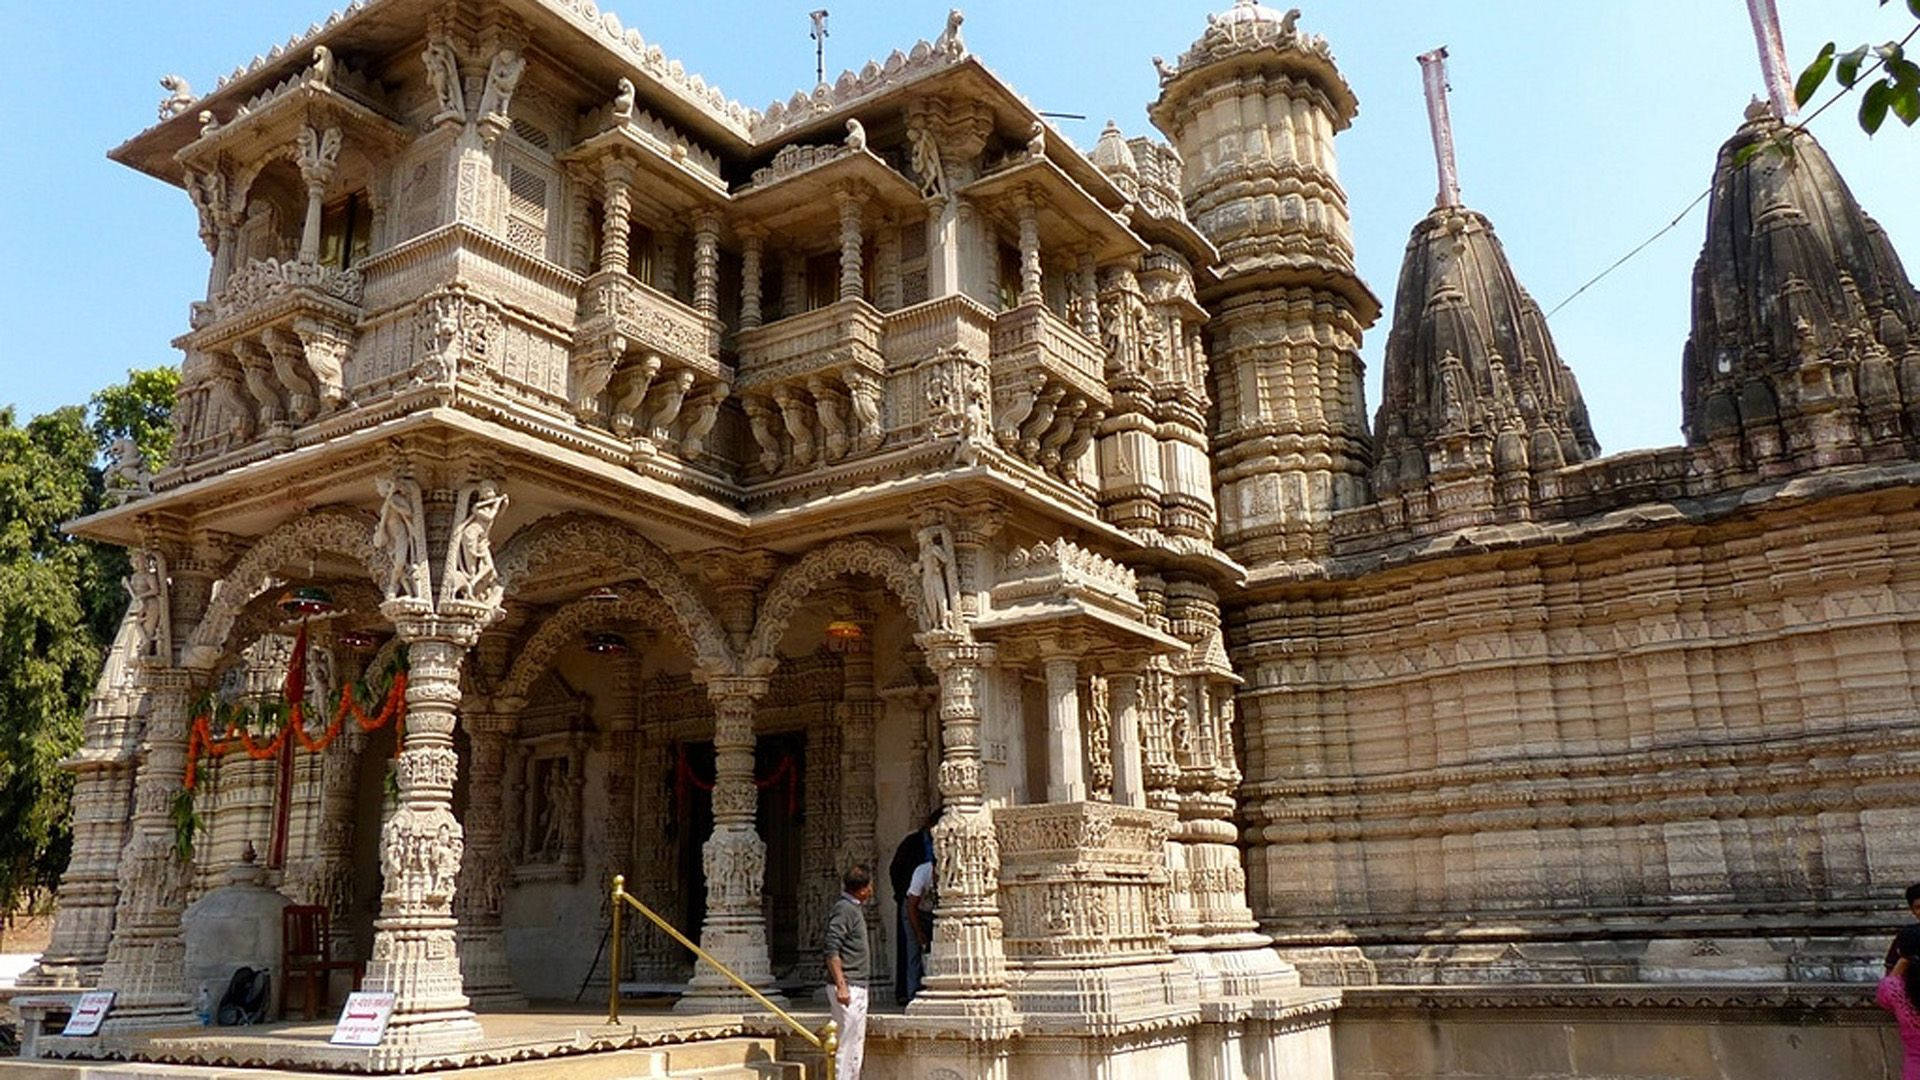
(819, 45)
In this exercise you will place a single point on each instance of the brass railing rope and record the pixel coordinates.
(827, 1040)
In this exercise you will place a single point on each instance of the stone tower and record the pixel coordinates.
(1476, 405)
(1805, 349)
(1253, 108)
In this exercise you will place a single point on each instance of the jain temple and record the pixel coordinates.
(577, 473)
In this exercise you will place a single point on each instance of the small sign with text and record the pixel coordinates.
(363, 1020)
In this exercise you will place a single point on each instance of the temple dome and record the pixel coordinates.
(1799, 300)
(1251, 11)
(1251, 34)
(1473, 382)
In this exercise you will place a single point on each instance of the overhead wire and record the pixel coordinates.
(1702, 197)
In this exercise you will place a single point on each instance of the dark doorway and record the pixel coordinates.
(779, 769)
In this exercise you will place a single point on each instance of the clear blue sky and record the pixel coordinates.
(1582, 128)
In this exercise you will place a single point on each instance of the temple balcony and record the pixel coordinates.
(646, 366)
(1049, 389)
(267, 354)
(813, 386)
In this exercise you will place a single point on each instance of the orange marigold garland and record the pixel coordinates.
(200, 737)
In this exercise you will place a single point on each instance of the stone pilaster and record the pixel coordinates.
(1129, 782)
(735, 860)
(706, 264)
(1030, 253)
(1066, 769)
(616, 202)
(858, 808)
(850, 200)
(415, 956)
(486, 976)
(967, 971)
(752, 252)
(146, 958)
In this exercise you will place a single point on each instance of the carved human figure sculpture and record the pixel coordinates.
(470, 574)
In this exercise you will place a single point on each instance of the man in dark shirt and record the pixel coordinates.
(849, 965)
(908, 962)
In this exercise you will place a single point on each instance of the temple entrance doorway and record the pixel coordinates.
(780, 774)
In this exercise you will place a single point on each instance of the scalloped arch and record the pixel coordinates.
(535, 656)
(590, 539)
(339, 530)
(858, 555)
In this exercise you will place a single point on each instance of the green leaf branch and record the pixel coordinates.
(1889, 84)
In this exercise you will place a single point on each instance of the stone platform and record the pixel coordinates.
(647, 1042)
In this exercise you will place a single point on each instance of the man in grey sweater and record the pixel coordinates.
(849, 965)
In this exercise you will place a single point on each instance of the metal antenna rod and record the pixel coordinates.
(819, 45)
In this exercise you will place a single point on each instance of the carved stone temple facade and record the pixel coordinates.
(739, 488)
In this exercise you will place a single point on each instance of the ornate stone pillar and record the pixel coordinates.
(1066, 773)
(1129, 781)
(317, 153)
(1029, 253)
(752, 247)
(851, 278)
(414, 952)
(967, 971)
(484, 972)
(579, 224)
(1087, 286)
(706, 263)
(147, 955)
(735, 859)
(616, 207)
(888, 285)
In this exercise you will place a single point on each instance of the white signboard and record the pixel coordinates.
(87, 1014)
(363, 1019)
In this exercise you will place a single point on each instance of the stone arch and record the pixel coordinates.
(857, 555)
(594, 539)
(535, 656)
(333, 531)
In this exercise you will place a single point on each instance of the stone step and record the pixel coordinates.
(713, 1059)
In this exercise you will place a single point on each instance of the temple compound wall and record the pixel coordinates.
(579, 474)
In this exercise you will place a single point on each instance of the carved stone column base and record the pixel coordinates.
(737, 946)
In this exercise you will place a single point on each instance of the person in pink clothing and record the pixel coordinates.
(1899, 990)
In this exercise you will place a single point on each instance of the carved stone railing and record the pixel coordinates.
(646, 366)
(650, 320)
(814, 387)
(1082, 883)
(1049, 389)
(835, 336)
(265, 283)
(267, 353)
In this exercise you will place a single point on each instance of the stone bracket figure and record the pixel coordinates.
(469, 576)
(939, 578)
(400, 534)
(147, 589)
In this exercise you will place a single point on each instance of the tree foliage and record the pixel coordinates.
(60, 604)
(1891, 81)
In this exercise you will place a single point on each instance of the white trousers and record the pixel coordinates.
(851, 1019)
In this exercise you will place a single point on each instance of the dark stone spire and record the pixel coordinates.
(1473, 386)
(1805, 348)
